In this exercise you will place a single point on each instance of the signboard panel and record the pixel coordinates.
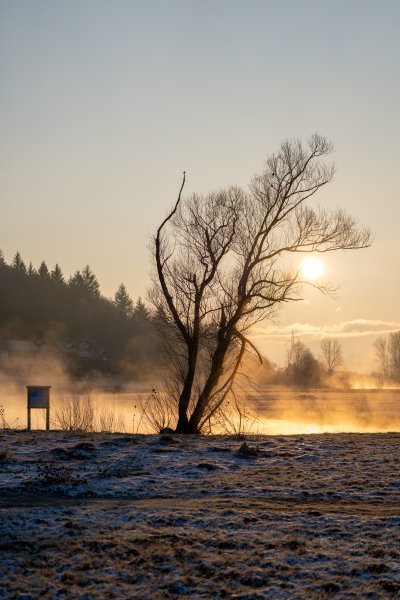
(38, 397)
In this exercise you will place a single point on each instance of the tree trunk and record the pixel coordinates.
(186, 393)
(212, 381)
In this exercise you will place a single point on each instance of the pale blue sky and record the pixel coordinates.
(104, 104)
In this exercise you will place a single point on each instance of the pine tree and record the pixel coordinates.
(2, 260)
(76, 280)
(141, 313)
(31, 270)
(18, 264)
(90, 281)
(123, 301)
(43, 271)
(56, 275)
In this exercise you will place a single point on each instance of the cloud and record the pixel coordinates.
(345, 329)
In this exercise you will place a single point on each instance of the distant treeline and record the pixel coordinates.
(90, 331)
(70, 319)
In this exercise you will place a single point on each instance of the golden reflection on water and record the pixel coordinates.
(278, 411)
(283, 411)
(285, 427)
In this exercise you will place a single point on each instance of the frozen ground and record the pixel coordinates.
(111, 516)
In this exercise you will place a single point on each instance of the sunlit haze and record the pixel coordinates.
(311, 268)
(104, 104)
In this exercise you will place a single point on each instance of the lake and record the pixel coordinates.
(270, 410)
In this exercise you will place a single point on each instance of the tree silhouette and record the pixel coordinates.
(90, 282)
(382, 356)
(302, 367)
(31, 271)
(331, 353)
(221, 266)
(76, 281)
(56, 275)
(387, 351)
(394, 355)
(140, 311)
(18, 264)
(123, 301)
(43, 271)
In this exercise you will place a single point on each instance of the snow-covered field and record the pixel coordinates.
(112, 516)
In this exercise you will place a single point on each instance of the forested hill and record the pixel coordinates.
(71, 316)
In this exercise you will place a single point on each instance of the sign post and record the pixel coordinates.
(39, 397)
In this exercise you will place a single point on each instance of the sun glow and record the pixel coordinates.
(311, 268)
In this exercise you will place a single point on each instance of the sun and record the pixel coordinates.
(311, 268)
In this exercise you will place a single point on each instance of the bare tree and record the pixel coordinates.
(302, 368)
(394, 355)
(221, 265)
(387, 351)
(382, 356)
(331, 353)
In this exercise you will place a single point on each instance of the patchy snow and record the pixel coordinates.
(106, 515)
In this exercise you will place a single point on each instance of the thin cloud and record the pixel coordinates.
(345, 329)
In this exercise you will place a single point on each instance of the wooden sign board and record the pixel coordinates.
(39, 397)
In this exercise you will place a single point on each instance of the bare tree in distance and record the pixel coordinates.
(382, 356)
(222, 265)
(394, 354)
(302, 368)
(331, 354)
(387, 351)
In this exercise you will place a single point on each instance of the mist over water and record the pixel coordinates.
(278, 411)
(332, 411)
(115, 405)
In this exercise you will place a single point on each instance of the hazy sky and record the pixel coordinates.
(104, 104)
